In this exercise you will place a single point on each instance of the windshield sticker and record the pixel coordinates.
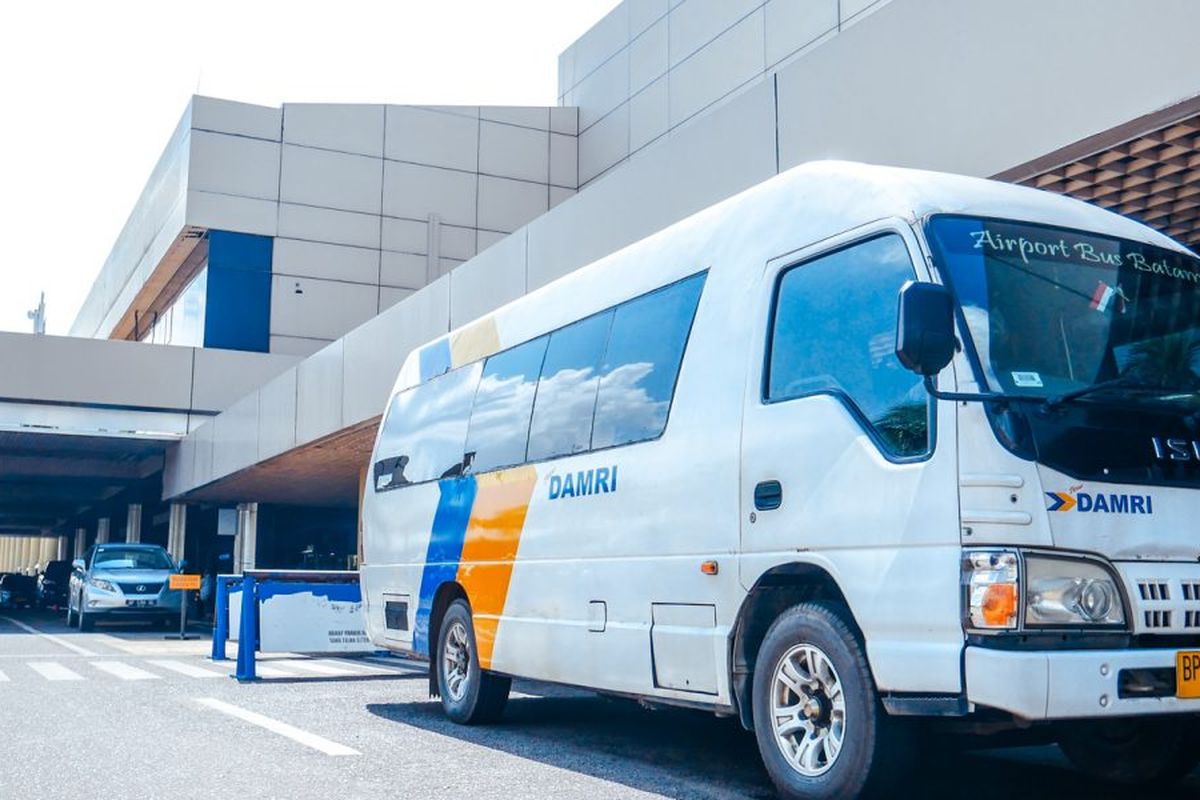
(1074, 499)
(1102, 298)
(1027, 380)
(1088, 252)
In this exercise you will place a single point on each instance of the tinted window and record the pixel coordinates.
(503, 403)
(835, 330)
(425, 430)
(645, 346)
(566, 393)
(112, 558)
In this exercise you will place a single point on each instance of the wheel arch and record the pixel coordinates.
(775, 591)
(446, 594)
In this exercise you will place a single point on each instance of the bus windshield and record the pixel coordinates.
(1053, 311)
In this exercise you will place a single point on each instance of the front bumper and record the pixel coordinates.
(1050, 685)
(98, 602)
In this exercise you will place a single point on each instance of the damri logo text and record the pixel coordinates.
(1099, 502)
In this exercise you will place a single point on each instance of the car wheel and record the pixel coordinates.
(470, 694)
(821, 730)
(86, 623)
(1154, 752)
(70, 614)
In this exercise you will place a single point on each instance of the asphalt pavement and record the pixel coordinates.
(124, 713)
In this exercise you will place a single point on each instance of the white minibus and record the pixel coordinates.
(856, 446)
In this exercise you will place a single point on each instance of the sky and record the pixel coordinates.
(92, 91)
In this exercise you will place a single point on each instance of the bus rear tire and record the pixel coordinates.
(821, 730)
(470, 694)
(1154, 752)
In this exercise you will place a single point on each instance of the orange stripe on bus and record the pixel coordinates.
(490, 548)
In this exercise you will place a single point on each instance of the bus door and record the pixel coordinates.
(844, 464)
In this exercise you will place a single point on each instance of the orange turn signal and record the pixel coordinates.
(1000, 604)
(708, 567)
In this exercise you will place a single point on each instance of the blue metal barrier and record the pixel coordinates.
(259, 587)
(221, 617)
(248, 632)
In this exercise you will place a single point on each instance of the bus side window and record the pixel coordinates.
(834, 332)
(499, 430)
(641, 363)
(566, 392)
(425, 430)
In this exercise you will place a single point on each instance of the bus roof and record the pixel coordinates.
(803, 205)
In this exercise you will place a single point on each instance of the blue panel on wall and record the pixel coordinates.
(228, 250)
(238, 312)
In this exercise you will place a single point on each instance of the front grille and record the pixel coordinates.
(140, 588)
(1155, 590)
(1165, 597)
(1158, 620)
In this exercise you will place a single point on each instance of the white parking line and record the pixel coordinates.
(52, 671)
(3, 677)
(125, 672)
(266, 671)
(190, 670)
(58, 640)
(305, 738)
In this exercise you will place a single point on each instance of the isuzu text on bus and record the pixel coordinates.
(860, 444)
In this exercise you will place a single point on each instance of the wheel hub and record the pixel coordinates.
(808, 710)
(456, 660)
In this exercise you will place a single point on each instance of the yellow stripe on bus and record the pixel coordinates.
(490, 548)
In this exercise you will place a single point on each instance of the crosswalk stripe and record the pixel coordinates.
(320, 669)
(190, 670)
(267, 671)
(53, 671)
(125, 672)
(3, 677)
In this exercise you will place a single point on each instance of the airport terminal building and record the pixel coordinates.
(224, 379)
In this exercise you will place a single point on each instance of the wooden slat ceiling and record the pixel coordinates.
(1154, 178)
(321, 473)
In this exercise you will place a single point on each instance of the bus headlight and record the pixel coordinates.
(1062, 591)
(992, 580)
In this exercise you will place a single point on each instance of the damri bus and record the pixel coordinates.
(860, 444)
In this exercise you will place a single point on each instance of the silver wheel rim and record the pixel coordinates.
(456, 661)
(808, 710)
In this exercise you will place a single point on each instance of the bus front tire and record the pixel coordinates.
(470, 694)
(821, 730)
(1155, 752)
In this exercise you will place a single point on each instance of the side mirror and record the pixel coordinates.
(925, 341)
(77, 564)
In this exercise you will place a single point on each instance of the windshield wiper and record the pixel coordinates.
(1124, 381)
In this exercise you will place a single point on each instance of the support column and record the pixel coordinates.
(60, 549)
(5, 553)
(102, 528)
(133, 524)
(246, 544)
(177, 531)
(80, 542)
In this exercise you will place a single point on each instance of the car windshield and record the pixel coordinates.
(1052, 311)
(111, 558)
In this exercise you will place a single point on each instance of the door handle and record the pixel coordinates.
(768, 495)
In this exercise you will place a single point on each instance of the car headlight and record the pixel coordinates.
(1070, 591)
(992, 582)
(102, 584)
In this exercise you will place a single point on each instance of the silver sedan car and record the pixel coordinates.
(122, 582)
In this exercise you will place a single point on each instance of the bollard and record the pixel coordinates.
(248, 634)
(220, 619)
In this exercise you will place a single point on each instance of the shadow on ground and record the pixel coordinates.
(691, 755)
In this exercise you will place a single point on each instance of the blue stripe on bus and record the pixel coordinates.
(435, 359)
(445, 550)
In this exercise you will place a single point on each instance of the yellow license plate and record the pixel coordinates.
(1187, 673)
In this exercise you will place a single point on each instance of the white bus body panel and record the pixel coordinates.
(604, 589)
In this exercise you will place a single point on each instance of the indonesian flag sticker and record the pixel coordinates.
(1104, 296)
